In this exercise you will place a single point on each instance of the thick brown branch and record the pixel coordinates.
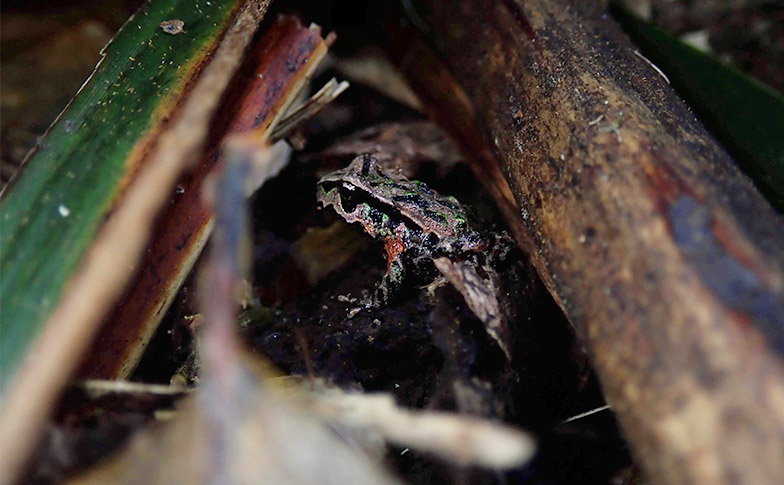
(663, 255)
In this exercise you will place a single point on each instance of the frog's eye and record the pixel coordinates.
(431, 241)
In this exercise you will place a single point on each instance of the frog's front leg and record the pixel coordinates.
(393, 278)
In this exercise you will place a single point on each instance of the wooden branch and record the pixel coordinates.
(664, 257)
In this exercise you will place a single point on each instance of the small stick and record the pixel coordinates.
(654, 66)
(586, 414)
(100, 387)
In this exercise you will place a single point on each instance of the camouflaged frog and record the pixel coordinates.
(413, 219)
(407, 215)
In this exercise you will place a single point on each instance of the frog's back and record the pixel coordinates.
(426, 209)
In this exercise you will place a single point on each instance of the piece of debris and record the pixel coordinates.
(173, 27)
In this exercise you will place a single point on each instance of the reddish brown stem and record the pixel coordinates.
(274, 73)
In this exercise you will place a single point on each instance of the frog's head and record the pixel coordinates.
(348, 192)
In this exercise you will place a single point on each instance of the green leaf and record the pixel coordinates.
(745, 115)
(51, 213)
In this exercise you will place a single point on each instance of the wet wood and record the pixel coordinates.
(665, 258)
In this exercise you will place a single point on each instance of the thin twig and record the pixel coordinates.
(586, 414)
(654, 66)
(100, 387)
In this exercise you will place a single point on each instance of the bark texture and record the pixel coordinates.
(662, 254)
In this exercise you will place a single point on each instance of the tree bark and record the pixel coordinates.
(665, 258)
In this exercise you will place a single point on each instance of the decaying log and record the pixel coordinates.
(665, 258)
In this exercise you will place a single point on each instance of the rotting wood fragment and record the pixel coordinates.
(484, 297)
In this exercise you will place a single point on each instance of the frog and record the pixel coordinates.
(416, 221)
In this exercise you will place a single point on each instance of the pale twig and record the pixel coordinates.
(654, 66)
(586, 414)
(463, 440)
(222, 369)
(100, 387)
(596, 120)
